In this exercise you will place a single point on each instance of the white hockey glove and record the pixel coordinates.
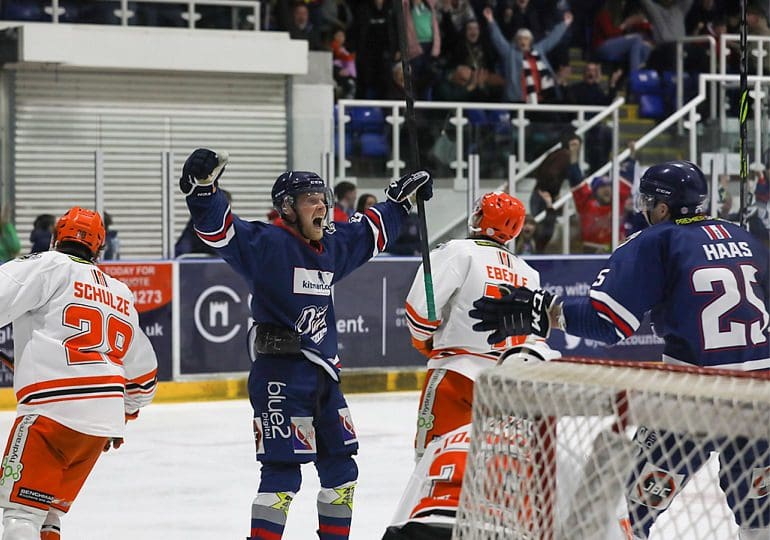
(201, 171)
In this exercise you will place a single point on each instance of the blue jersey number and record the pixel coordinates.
(735, 290)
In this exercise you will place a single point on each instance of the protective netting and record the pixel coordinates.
(564, 450)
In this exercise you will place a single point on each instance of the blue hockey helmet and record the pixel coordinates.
(679, 184)
(293, 183)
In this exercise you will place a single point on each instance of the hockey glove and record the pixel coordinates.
(520, 313)
(201, 171)
(420, 181)
(113, 442)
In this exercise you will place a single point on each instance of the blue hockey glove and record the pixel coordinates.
(419, 181)
(520, 313)
(201, 171)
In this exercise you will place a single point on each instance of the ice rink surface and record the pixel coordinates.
(188, 472)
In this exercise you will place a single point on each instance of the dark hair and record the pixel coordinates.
(44, 221)
(76, 249)
(342, 189)
(362, 201)
(567, 137)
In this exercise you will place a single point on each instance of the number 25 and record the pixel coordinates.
(732, 295)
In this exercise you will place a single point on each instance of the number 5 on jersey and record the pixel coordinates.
(99, 340)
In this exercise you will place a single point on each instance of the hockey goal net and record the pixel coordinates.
(611, 450)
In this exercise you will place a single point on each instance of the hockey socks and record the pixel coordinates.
(335, 510)
(268, 515)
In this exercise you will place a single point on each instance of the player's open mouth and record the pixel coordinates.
(318, 222)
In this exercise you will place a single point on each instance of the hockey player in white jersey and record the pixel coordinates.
(463, 270)
(82, 368)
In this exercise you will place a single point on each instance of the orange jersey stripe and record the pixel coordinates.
(422, 320)
(75, 381)
(147, 377)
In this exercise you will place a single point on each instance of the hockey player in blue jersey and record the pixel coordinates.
(705, 283)
(300, 414)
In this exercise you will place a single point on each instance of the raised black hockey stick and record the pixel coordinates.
(743, 112)
(414, 155)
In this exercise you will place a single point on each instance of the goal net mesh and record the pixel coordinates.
(608, 450)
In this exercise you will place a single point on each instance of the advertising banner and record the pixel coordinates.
(151, 283)
(213, 318)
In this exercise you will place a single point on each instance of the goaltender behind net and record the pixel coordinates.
(82, 368)
(705, 283)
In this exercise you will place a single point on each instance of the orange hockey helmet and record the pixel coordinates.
(82, 226)
(497, 215)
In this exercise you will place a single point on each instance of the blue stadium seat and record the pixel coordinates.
(366, 119)
(501, 121)
(374, 145)
(476, 117)
(22, 10)
(669, 86)
(651, 106)
(644, 81)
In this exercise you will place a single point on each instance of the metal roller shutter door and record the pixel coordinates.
(60, 117)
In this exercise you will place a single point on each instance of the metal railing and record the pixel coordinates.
(191, 15)
(458, 120)
(712, 43)
(689, 111)
(761, 49)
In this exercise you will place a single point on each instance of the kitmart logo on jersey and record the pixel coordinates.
(315, 282)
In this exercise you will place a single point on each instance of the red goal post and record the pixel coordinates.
(553, 449)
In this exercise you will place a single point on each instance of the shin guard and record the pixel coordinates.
(268, 515)
(335, 511)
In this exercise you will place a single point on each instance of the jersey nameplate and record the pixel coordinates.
(315, 282)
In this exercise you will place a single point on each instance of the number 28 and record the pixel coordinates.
(99, 339)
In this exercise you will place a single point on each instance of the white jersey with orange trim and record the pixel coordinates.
(433, 492)
(464, 270)
(81, 357)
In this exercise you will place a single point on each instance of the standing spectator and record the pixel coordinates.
(9, 240)
(590, 92)
(344, 66)
(365, 201)
(680, 270)
(335, 14)
(529, 76)
(593, 202)
(667, 18)
(470, 69)
(373, 48)
(462, 271)
(518, 14)
(561, 164)
(534, 236)
(619, 38)
(345, 196)
(83, 368)
(453, 16)
(111, 241)
(703, 13)
(756, 20)
(42, 232)
(301, 27)
(300, 413)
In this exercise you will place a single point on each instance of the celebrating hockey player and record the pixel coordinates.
(462, 271)
(705, 282)
(82, 367)
(300, 414)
